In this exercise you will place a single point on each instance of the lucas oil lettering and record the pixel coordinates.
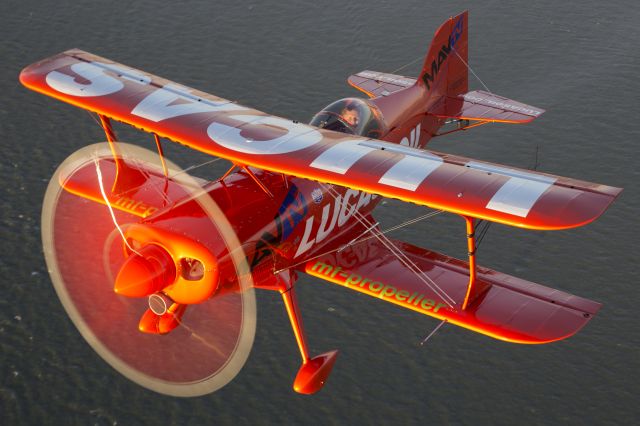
(334, 214)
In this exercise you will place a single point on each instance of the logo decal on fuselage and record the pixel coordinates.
(292, 211)
(316, 195)
(414, 138)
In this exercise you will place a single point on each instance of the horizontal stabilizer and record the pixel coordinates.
(483, 106)
(375, 83)
(505, 308)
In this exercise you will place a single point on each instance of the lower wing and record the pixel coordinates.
(505, 307)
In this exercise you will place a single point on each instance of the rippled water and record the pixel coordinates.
(579, 62)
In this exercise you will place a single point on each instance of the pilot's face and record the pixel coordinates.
(350, 116)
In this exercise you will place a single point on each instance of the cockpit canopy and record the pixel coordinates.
(354, 116)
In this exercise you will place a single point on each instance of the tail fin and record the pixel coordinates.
(446, 78)
(445, 67)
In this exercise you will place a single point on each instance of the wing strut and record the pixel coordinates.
(161, 154)
(108, 131)
(256, 180)
(248, 171)
(111, 138)
(472, 291)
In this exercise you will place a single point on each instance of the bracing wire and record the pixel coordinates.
(106, 201)
(433, 332)
(472, 71)
(402, 257)
(407, 64)
(380, 83)
(484, 227)
(359, 239)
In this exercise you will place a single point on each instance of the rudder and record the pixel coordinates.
(445, 67)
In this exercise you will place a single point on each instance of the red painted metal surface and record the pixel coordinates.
(286, 147)
(145, 272)
(152, 323)
(445, 67)
(314, 374)
(503, 307)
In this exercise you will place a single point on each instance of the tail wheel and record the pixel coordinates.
(85, 253)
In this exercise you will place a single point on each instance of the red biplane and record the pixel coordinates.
(157, 269)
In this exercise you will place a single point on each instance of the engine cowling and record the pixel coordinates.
(169, 262)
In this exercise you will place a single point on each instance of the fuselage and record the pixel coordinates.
(302, 218)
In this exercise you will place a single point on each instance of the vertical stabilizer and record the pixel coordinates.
(445, 67)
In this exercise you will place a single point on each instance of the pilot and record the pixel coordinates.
(350, 115)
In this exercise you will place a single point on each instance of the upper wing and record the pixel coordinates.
(484, 106)
(375, 83)
(246, 136)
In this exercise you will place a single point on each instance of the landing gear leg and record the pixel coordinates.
(314, 372)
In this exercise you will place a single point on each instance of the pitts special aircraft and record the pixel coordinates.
(157, 269)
